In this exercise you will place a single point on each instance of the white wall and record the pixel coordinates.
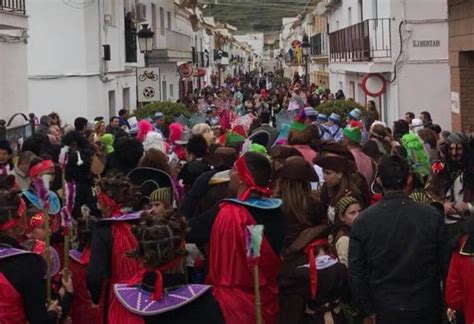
(13, 79)
(74, 97)
(168, 73)
(66, 71)
(253, 39)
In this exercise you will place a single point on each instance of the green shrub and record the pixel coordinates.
(170, 110)
(340, 107)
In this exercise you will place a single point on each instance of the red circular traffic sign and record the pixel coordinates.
(185, 70)
(374, 93)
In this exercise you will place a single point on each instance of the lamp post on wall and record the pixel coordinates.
(305, 47)
(145, 41)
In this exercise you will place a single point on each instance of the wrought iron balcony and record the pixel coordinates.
(362, 42)
(319, 44)
(13, 6)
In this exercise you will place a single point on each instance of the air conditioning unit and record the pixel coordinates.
(141, 12)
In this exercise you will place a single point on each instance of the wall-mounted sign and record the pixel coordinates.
(185, 70)
(455, 102)
(148, 84)
(426, 43)
(374, 84)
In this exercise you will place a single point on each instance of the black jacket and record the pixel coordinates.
(394, 256)
(25, 273)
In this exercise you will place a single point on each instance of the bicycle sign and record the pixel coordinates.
(148, 75)
(148, 84)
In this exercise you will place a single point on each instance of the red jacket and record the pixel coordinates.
(459, 284)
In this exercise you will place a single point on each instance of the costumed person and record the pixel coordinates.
(20, 171)
(334, 129)
(161, 282)
(300, 207)
(125, 157)
(111, 240)
(210, 187)
(43, 171)
(77, 159)
(279, 154)
(312, 283)
(300, 137)
(195, 150)
(144, 127)
(365, 165)
(22, 289)
(339, 181)
(175, 139)
(459, 292)
(347, 210)
(378, 144)
(82, 309)
(230, 274)
(452, 182)
(206, 131)
(6, 163)
(161, 201)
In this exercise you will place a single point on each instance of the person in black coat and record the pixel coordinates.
(395, 252)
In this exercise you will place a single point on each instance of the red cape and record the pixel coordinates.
(11, 303)
(230, 273)
(81, 308)
(123, 269)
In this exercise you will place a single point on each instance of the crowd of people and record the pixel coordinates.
(140, 221)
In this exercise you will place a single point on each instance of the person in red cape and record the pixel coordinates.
(162, 281)
(230, 273)
(459, 292)
(82, 309)
(111, 240)
(22, 290)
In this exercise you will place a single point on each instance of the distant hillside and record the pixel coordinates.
(253, 15)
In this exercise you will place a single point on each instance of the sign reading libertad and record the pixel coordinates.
(426, 43)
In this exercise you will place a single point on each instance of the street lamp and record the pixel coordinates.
(145, 41)
(305, 47)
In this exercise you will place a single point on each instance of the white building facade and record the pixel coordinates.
(405, 43)
(13, 59)
(69, 71)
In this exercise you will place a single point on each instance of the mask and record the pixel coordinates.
(46, 180)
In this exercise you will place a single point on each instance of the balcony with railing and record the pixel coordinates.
(13, 14)
(362, 42)
(171, 46)
(319, 45)
(13, 6)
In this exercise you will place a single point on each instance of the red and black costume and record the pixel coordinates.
(459, 283)
(230, 273)
(22, 286)
(109, 264)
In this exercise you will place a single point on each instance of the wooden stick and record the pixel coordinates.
(66, 254)
(256, 284)
(48, 258)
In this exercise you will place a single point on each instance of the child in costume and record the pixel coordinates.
(111, 240)
(312, 283)
(158, 292)
(347, 210)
